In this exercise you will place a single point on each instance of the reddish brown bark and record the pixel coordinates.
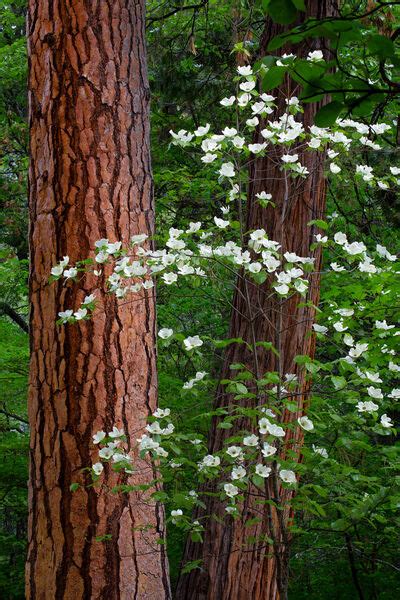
(90, 178)
(233, 566)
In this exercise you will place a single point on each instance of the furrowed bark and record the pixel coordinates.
(234, 566)
(90, 178)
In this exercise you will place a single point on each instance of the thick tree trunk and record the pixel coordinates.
(234, 566)
(90, 178)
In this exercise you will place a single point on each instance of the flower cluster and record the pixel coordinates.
(193, 252)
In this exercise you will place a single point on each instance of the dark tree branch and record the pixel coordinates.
(176, 10)
(6, 309)
(13, 416)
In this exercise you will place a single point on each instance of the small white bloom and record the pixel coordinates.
(250, 440)
(208, 158)
(315, 56)
(368, 406)
(234, 451)
(383, 325)
(202, 130)
(106, 452)
(257, 148)
(116, 433)
(383, 251)
(355, 248)
(70, 273)
(264, 196)
(57, 270)
(244, 99)
(221, 223)
(254, 267)
(165, 333)
(321, 239)
(268, 450)
(238, 473)
(282, 289)
(211, 461)
(98, 468)
(290, 158)
(375, 392)
(386, 421)
(227, 170)
(161, 413)
(89, 299)
(66, 315)
(339, 326)
(334, 168)
(230, 510)
(245, 70)
(80, 314)
(345, 312)
(263, 471)
(99, 437)
(321, 451)
(337, 268)
(252, 122)
(358, 350)
(169, 278)
(231, 490)
(287, 476)
(320, 328)
(247, 86)
(229, 131)
(305, 423)
(227, 101)
(348, 339)
(192, 342)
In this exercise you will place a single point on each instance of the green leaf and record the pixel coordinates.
(268, 346)
(319, 223)
(225, 343)
(381, 46)
(74, 486)
(259, 277)
(240, 388)
(328, 114)
(338, 382)
(282, 11)
(225, 426)
(258, 481)
(273, 78)
(160, 496)
(190, 566)
(277, 42)
(299, 4)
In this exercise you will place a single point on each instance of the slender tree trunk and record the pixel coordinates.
(90, 178)
(239, 561)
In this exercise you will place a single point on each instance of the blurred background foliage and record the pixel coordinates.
(343, 546)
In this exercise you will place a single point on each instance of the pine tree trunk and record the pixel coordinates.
(90, 178)
(235, 567)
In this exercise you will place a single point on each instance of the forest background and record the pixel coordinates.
(340, 549)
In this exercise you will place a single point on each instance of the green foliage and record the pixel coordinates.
(361, 72)
(347, 503)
